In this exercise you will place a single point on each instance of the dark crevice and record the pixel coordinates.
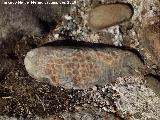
(78, 44)
(12, 56)
(47, 26)
(154, 76)
(4, 92)
(3, 74)
(32, 45)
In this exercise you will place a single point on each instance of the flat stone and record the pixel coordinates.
(108, 15)
(80, 68)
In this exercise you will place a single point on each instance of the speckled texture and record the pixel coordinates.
(136, 99)
(151, 38)
(80, 67)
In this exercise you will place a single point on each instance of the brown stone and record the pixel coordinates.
(108, 15)
(151, 43)
(152, 33)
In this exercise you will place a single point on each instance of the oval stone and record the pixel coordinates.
(108, 15)
(80, 68)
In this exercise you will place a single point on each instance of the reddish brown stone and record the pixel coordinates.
(94, 66)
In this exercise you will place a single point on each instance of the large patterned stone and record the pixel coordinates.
(80, 67)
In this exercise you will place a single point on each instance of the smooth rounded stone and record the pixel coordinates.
(80, 68)
(108, 15)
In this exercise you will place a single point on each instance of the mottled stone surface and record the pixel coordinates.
(108, 15)
(151, 41)
(80, 67)
(152, 33)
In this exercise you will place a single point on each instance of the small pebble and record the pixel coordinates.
(109, 15)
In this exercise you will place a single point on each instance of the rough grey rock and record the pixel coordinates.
(137, 100)
(31, 20)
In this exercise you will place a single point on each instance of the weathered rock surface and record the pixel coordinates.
(137, 100)
(130, 97)
(80, 67)
(108, 15)
(31, 20)
(129, 34)
(151, 41)
(152, 33)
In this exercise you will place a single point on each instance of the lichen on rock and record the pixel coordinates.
(137, 101)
